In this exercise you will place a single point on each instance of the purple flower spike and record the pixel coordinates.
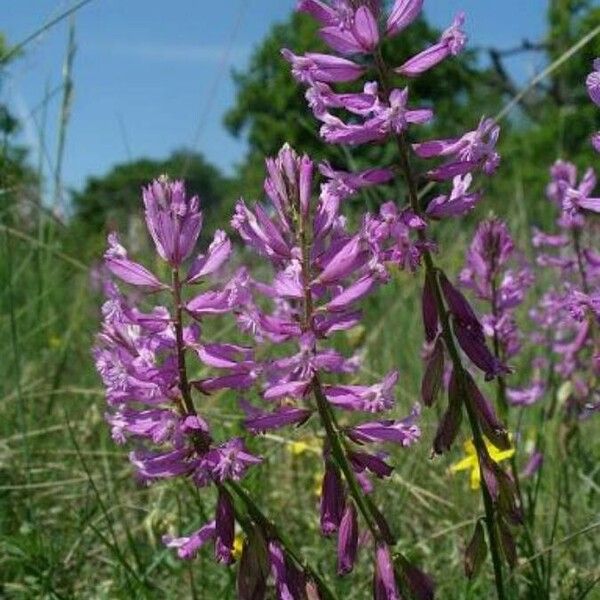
(347, 540)
(173, 220)
(384, 580)
(403, 13)
(224, 528)
(332, 499)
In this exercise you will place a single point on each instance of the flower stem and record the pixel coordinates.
(201, 440)
(273, 532)
(339, 454)
(478, 440)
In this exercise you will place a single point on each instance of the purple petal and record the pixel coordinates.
(347, 540)
(366, 30)
(224, 528)
(218, 252)
(433, 376)
(280, 418)
(403, 13)
(293, 389)
(333, 498)
(384, 582)
(187, 547)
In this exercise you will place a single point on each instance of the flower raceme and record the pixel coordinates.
(322, 271)
(379, 111)
(500, 277)
(568, 315)
(139, 356)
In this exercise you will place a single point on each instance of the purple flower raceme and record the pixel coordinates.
(139, 357)
(378, 112)
(568, 316)
(322, 271)
(488, 273)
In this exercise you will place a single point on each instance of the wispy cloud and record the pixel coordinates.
(180, 53)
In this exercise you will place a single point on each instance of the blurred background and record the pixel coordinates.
(98, 97)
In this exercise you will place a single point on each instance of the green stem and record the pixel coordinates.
(273, 532)
(339, 456)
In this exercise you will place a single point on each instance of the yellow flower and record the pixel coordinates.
(470, 461)
(299, 447)
(238, 544)
(318, 483)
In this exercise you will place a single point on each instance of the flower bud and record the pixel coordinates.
(476, 552)
(450, 423)
(347, 540)
(433, 376)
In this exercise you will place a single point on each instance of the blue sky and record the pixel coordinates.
(152, 76)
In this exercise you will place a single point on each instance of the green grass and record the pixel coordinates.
(74, 524)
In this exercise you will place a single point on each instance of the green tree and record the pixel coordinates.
(113, 200)
(558, 119)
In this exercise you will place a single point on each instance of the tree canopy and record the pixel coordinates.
(106, 202)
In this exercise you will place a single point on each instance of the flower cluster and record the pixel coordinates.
(568, 314)
(141, 359)
(379, 112)
(322, 270)
(500, 277)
